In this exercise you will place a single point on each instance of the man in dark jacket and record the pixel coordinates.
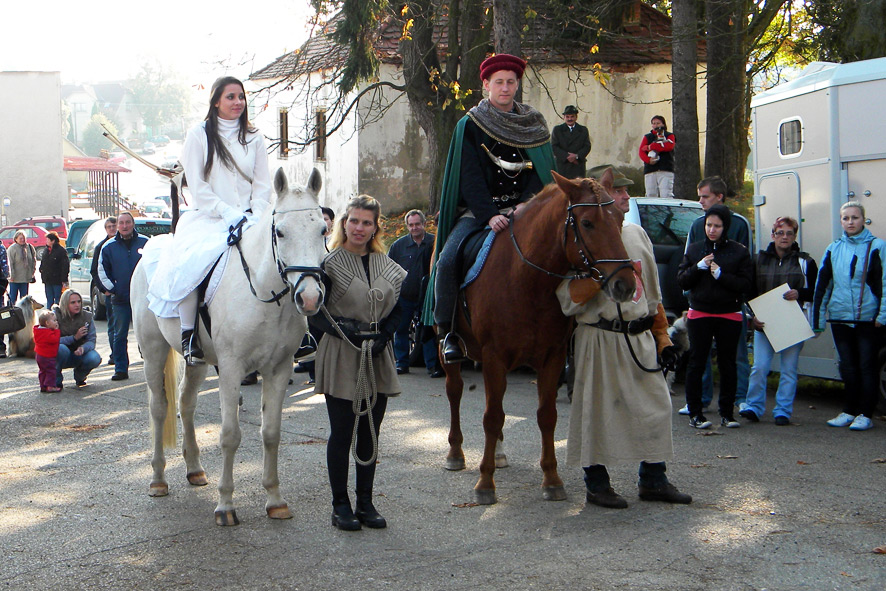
(118, 260)
(571, 143)
(111, 229)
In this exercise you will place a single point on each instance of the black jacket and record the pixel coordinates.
(771, 271)
(54, 265)
(717, 296)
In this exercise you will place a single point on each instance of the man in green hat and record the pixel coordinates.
(620, 412)
(571, 143)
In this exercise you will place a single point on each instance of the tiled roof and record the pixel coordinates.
(88, 163)
(644, 38)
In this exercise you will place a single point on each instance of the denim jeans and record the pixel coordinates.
(787, 382)
(743, 367)
(122, 317)
(858, 349)
(53, 293)
(109, 313)
(17, 291)
(702, 332)
(82, 364)
(401, 339)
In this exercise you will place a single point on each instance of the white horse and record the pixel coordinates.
(283, 251)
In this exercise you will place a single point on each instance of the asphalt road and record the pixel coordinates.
(778, 508)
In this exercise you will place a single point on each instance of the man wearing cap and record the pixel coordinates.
(620, 412)
(571, 143)
(499, 157)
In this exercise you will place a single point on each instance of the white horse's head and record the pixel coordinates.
(299, 243)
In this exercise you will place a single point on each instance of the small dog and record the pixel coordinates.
(21, 342)
(680, 337)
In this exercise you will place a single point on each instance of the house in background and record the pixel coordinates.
(387, 156)
(112, 99)
(31, 145)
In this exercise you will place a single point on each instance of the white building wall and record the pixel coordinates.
(32, 174)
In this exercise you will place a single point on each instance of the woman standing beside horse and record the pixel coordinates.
(357, 373)
(226, 167)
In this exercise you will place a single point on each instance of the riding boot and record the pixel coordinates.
(366, 512)
(452, 346)
(342, 516)
(191, 348)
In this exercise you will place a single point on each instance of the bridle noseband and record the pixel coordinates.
(282, 268)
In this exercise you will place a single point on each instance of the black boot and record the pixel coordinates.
(654, 485)
(191, 348)
(451, 348)
(342, 516)
(366, 511)
(599, 489)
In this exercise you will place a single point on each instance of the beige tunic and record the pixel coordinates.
(618, 412)
(349, 297)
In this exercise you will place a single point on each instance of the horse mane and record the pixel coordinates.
(553, 192)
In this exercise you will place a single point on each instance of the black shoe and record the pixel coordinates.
(110, 362)
(667, 493)
(191, 348)
(299, 368)
(81, 383)
(402, 370)
(452, 351)
(607, 498)
(120, 375)
(437, 373)
(343, 517)
(782, 421)
(749, 415)
(367, 514)
(250, 379)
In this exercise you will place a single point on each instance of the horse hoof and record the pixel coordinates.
(198, 479)
(226, 518)
(158, 489)
(554, 493)
(485, 497)
(279, 512)
(455, 464)
(501, 461)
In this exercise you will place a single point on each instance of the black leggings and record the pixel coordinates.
(341, 423)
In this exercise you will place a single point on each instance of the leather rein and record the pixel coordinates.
(591, 271)
(236, 233)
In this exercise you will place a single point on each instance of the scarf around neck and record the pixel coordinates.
(524, 127)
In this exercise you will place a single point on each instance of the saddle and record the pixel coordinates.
(471, 254)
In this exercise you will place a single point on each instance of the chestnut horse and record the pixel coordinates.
(514, 319)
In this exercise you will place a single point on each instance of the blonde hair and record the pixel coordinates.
(65, 301)
(340, 236)
(855, 204)
(44, 318)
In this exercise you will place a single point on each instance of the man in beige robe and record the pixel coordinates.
(620, 412)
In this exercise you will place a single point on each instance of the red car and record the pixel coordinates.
(35, 235)
(50, 223)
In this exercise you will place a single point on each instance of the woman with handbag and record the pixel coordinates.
(226, 167)
(54, 267)
(22, 266)
(849, 295)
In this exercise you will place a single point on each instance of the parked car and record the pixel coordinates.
(35, 236)
(667, 222)
(160, 140)
(50, 223)
(149, 148)
(76, 230)
(81, 260)
(157, 209)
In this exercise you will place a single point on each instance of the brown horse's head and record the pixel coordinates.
(593, 234)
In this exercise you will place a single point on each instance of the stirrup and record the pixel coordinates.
(191, 350)
(452, 349)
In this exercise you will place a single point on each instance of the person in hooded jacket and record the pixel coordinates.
(849, 295)
(717, 273)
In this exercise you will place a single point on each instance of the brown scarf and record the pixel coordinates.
(71, 324)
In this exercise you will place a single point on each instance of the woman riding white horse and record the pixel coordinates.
(226, 167)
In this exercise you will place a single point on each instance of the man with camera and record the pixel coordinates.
(657, 153)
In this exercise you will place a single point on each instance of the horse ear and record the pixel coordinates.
(315, 182)
(281, 183)
(565, 184)
(606, 180)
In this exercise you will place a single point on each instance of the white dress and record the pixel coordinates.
(180, 262)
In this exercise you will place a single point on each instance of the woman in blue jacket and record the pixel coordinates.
(848, 294)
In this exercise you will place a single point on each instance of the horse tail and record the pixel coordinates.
(171, 381)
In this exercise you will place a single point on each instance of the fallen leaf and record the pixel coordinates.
(780, 531)
(879, 461)
(699, 465)
(880, 550)
(845, 574)
(465, 505)
(802, 463)
(728, 457)
(709, 433)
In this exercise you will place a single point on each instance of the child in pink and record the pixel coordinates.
(46, 337)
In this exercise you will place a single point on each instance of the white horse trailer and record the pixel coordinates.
(819, 141)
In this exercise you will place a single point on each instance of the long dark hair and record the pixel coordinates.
(214, 142)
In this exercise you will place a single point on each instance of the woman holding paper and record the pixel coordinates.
(782, 262)
(849, 293)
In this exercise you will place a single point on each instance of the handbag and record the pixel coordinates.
(12, 319)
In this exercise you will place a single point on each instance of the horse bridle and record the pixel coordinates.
(282, 268)
(591, 272)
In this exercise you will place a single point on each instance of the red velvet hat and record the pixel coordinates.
(502, 61)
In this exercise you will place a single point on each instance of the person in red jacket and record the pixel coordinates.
(46, 337)
(657, 154)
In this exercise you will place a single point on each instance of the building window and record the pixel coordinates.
(790, 137)
(320, 134)
(283, 152)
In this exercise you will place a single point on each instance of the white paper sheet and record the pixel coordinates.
(784, 320)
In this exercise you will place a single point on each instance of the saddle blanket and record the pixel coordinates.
(477, 266)
(150, 259)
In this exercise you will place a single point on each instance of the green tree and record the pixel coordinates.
(843, 30)
(160, 96)
(93, 140)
